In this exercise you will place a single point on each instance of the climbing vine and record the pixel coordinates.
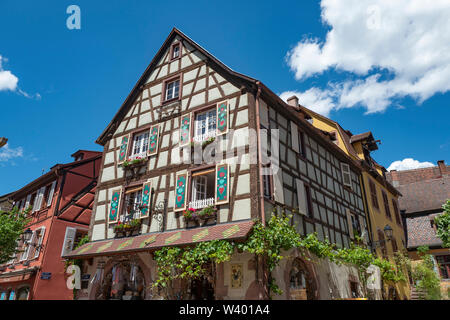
(190, 262)
(268, 242)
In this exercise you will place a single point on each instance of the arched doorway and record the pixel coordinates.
(124, 281)
(301, 283)
(22, 293)
(201, 289)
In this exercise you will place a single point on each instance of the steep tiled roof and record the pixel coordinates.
(420, 232)
(426, 195)
(423, 189)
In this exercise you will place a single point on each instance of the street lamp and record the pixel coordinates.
(27, 235)
(3, 141)
(388, 232)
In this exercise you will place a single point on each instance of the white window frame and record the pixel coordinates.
(199, 192)
(140, 145)
(208, 125)
(137, 201)
(171, 91)
(176, 49)
(27, 244)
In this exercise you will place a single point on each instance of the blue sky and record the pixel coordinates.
(70, 83)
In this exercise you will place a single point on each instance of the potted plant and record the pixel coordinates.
(190, 214)
(207, 212)
(133, 162)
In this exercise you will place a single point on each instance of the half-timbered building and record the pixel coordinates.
(194, 134)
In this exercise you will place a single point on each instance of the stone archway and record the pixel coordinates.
(300, 280)
(124, 278)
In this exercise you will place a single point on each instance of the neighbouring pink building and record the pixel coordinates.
(61, 205)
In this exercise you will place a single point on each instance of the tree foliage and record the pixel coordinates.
(12, 225)
(424, 276)
(443, 225)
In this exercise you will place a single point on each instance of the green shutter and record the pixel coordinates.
(153, 140)
(114, 206)
(180, 192)
(146, 197)
(222, 118)
(185, 129)
(222, 183)
(124, 148)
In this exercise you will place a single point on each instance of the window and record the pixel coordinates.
(300, 283)
(205, 125)
(175, 51)
(131, 208)
(382, 243)
(396, 212)
(267, 184)
(140, 145)
(310, 212)
(202, 189)
(386, 205)
(444, 266)
(301, 141)
(355, 224)
(172, 90)
(36, 243)
(373, 194)
(346, 177)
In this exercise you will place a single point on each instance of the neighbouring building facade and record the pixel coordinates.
(195, 134)
(424, 191)
(380, 196)
(60, 203)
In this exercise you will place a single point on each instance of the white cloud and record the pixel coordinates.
(7, 153)
(408, 164)
(8, 81)
(394, 49)
(320, 101)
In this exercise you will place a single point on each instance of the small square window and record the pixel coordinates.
(172, 90)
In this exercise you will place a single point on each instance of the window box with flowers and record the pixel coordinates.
(127, 229)
(196, 215)
(134, 166)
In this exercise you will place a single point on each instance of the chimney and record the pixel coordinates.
(442, 167)
(293, 101)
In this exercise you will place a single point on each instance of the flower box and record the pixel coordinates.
(127, 229)
(192, 214)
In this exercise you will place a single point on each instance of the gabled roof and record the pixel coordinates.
(239, 79)
(52, 174)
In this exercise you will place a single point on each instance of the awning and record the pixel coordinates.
(152, 241)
